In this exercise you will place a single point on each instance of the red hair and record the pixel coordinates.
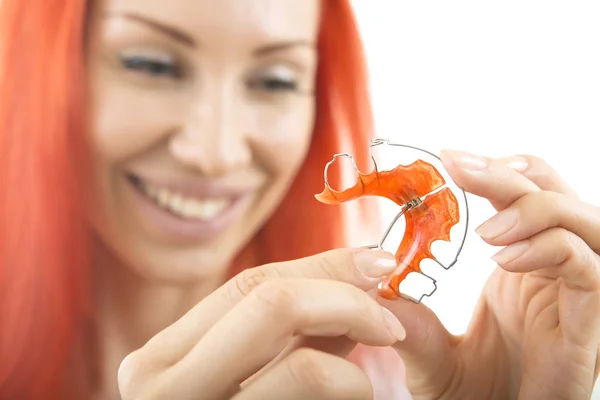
(44, 247)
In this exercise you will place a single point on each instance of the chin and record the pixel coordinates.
(173, 266)
(167, 261)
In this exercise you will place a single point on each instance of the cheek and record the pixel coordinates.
(282, 137)
(125, 122)
(122, 128)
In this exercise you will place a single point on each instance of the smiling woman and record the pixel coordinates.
(149, 152)
(201, 122)
(159, 238)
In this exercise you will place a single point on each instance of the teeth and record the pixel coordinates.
(185, 207)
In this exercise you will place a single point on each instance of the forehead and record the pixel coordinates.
(226, 22)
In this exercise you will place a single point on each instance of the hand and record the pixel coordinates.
(272, 332)
(535, 333)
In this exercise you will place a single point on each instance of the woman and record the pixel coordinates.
(160, 239)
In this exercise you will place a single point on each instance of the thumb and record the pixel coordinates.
(429, 350)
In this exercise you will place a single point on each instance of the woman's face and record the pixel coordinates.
(201, 115)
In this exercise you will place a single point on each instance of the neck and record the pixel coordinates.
(130, 310)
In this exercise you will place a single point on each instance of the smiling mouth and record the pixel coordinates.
(187, 208)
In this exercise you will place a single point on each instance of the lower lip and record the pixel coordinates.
(188, 229)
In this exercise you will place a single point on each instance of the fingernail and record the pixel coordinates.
(467, 160)
(375, 263)
(511, 253)
(394, 325)
(517, 163)
(498, 224)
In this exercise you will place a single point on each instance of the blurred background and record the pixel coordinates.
(494, 78)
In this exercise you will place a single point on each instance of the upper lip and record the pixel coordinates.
(203, 187)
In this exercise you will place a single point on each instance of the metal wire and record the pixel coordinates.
(416, 201)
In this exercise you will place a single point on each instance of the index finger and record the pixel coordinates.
(539, 172)
(359, 267)
(488, 178)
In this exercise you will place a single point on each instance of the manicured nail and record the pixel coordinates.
(467, 160)
(517, 163)
(498, 225)
(394, 325)
(511, 253)
(375, 263)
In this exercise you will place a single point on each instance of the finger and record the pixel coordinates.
(266, 319)
(558, 253)
(539, 172)
(554, 253)
(428, 350)
(340, 346)
(542, 210)
(359, 267)
(487, 178)
(310, 374)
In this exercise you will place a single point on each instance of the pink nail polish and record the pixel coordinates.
(498, 225)
(519, 164)
(511, 253)
(375, 263)
(467, 160)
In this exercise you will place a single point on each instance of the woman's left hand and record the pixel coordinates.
(535, 333)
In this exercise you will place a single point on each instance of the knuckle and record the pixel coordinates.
(367, 307)
(573, 247)
(540, 168)
(535, 160)
(276, 296)
(332, 265)
(542, 200)
(550, 199)
(248, 280)
(307, 369)
(575, 252)
(542, 204)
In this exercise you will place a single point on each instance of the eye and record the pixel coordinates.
(154, 66)
(273, 85)
(274, 79)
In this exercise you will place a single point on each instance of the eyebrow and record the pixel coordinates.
(189, 41)
(166, 29)
(280, 47)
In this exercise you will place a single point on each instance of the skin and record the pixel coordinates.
(537, 324)
(214, 119)
(231, 103)
(168, 326)
(536, 329)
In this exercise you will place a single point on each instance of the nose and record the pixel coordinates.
(212, 139)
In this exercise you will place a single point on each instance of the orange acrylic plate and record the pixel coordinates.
(430, 211)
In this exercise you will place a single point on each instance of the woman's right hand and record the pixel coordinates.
(281, 331)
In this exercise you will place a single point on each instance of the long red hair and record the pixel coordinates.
(44, 240)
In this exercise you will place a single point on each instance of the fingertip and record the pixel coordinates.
(449, 164)
(464, 160)
(375, 264)
(506, 257)
(394, 325)
(446, 159)
(495, 230)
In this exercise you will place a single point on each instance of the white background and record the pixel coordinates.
(494, 78)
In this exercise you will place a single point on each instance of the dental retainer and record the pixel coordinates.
(428, 205)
